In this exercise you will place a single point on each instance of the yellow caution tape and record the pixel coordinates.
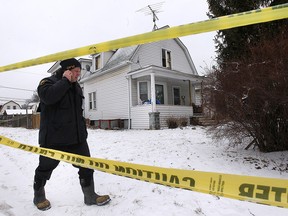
(269, 191)
(224, 22)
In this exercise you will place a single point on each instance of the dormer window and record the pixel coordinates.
(97, 62)
(166, 58)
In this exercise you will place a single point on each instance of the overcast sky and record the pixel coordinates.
(33, 28)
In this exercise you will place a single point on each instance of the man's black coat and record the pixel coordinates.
(62, 121)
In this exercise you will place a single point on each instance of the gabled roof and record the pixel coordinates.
(11, 101)
(121, 55)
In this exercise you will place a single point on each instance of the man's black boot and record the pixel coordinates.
(40, 200)
(90, 197)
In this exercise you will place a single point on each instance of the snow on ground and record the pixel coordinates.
(187, 148)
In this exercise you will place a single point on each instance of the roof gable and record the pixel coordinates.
(121, 55)
(11, 102)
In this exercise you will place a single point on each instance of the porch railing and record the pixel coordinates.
(140, 114)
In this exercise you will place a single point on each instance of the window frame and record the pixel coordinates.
(139, 93)
(166, 58)
(92, 100)
(97, 62)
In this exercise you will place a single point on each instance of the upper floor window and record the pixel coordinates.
(8, 107)
(14, 107)
(166, 58)
(97, 62)
(92, 100)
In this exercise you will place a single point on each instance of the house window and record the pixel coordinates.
(8, 107)
(143, 91)
(176, 95)
(97, 62)
(159, 93)
(14, 107)
(166, 58)
(92, 100)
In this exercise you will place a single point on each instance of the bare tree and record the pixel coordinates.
(251, 94)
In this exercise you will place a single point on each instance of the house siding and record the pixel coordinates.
(151, 54)
(174, 111)
(111, 96)
(140, 116)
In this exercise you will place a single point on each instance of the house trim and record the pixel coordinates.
(100, 73)
(163, 72)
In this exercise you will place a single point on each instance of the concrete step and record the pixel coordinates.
(204, 121)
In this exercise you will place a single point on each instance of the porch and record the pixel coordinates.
(140, 114)
(163, 92)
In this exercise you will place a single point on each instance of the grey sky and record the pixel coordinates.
(34, 28)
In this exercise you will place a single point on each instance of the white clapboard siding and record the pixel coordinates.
(111, 96)
(151, 54)
(140, 116)
(173, 111)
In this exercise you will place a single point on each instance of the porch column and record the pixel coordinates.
(129, 101)
(190, 93)
(153, 97)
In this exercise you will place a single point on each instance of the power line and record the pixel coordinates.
(28, 72)
(9, 99)
(16, 88)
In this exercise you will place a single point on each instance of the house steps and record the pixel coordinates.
(203, 120)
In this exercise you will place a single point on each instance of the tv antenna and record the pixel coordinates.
(152, 9)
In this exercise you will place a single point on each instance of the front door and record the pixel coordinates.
(176, 96)
(159, 92)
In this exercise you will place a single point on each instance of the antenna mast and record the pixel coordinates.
(152, 10)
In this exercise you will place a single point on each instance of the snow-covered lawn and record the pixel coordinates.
(187, 148)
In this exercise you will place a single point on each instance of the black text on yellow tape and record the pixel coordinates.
(220, 23)
(269, 191)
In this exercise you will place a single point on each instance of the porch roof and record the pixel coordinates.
(167, 73)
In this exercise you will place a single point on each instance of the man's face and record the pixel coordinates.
(76, 72)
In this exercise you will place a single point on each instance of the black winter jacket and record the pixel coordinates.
(62, 121)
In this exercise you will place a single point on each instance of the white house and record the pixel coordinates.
(139, 87)
(18, 112)
(10, 105)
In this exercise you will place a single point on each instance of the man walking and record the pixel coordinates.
(63, 127)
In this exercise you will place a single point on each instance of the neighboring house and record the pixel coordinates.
(139, 87)
(34, 106)
(11, 115)
(11, 105)
(17, 112)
